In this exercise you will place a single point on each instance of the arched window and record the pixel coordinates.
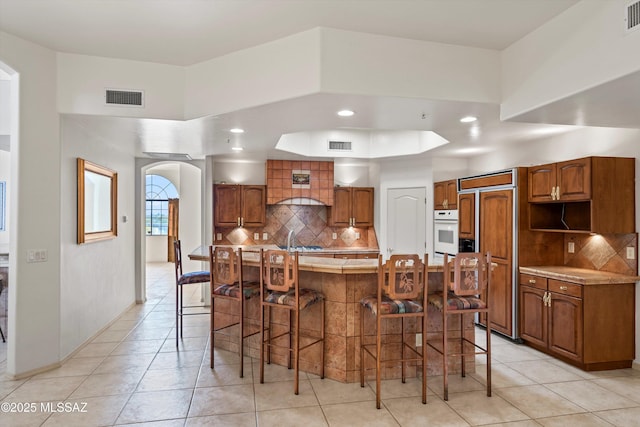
(159, 191)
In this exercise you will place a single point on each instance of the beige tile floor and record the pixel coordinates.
(131, 374)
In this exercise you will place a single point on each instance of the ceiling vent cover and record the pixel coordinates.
(130, 98)
(633, 16)
(339, 145)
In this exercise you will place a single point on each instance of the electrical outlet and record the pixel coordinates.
(418, 340)
(218, 236)
(571, 247)
(265, 236)
(334, 236)
(631, 252)
(357, 235)
(256, 236)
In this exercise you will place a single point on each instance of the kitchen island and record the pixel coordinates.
(344, 282)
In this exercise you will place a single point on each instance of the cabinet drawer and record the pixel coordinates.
(565, 288)
(533, 281)
(367, 256)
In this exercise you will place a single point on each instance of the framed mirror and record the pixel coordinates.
(97, 202)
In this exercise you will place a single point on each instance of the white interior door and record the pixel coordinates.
(406, 218)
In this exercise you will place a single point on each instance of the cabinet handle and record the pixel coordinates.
(238, 221)
(563, 288)
(558, 193)
(242, 221)
(553, 193)
(532, 281)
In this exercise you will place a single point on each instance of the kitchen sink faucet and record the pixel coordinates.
(291, 238)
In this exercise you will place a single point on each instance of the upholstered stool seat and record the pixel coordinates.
(390, 306)
(456, 302)
(250, 289)
(307, 298)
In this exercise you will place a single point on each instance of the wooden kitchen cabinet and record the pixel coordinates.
(445, 195)
(589, 195)
(467, 216)
(589, 326)
(564, 181)
(352, 207)
(239, 205)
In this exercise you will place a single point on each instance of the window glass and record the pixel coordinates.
(159, 190)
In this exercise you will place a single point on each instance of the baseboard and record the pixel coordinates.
(55, 365)
(636, 365)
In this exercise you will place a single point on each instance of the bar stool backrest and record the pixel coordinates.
(225, 266)
(279, 274)
(469, 275)
(403, 276)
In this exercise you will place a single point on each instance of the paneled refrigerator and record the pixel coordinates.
(488, 222)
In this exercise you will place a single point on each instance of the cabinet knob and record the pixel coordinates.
(532, 281)
(563, 288)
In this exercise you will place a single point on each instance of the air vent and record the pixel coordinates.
(633, 16)
(129, 98)
(339, 145)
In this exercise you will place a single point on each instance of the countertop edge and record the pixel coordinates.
(580, 276)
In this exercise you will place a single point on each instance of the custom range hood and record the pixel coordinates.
(299, 182)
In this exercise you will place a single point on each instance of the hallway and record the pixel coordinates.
(131, 374)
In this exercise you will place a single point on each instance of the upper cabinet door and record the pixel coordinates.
(253, 205)
(542, 183)
(452, 194)
(466, 216)
(574, 179)
(362, 207)
(341, 209)
(227, 199)
(439, 195)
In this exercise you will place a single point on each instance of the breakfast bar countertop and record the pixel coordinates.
(580, 276)
(308, 262)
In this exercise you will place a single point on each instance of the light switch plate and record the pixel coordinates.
(631, 252)
(265, 236)
(37, 255)
(218, 236)
(256, 236)
(571, 247)
(418, 340)
(357, 235)
(334, 236)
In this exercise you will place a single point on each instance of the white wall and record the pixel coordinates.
(34, 303)
(97, 279)
(282, 69)
(381, 65)
(5, 86)
(253, 173)
(82, 81)
(579, 49)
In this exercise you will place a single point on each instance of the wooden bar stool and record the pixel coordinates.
(280, 289)
(227, 283)
(182, 280)
(466, 283)
(401, 294)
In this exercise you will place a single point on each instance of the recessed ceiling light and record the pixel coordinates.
(468, 119)
(236, 130)
(237, 148)
(345, 113)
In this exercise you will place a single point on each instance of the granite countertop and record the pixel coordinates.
(581, 276)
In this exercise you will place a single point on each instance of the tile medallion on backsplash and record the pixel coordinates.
(238, 236)
(348, 236)
(598, 251)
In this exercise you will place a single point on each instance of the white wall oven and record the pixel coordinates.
(445, 232)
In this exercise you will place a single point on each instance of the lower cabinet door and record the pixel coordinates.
(565, 326)
(533, 316)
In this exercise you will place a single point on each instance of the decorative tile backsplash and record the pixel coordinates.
(606, 252)
(309, 224)
(313, 180)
